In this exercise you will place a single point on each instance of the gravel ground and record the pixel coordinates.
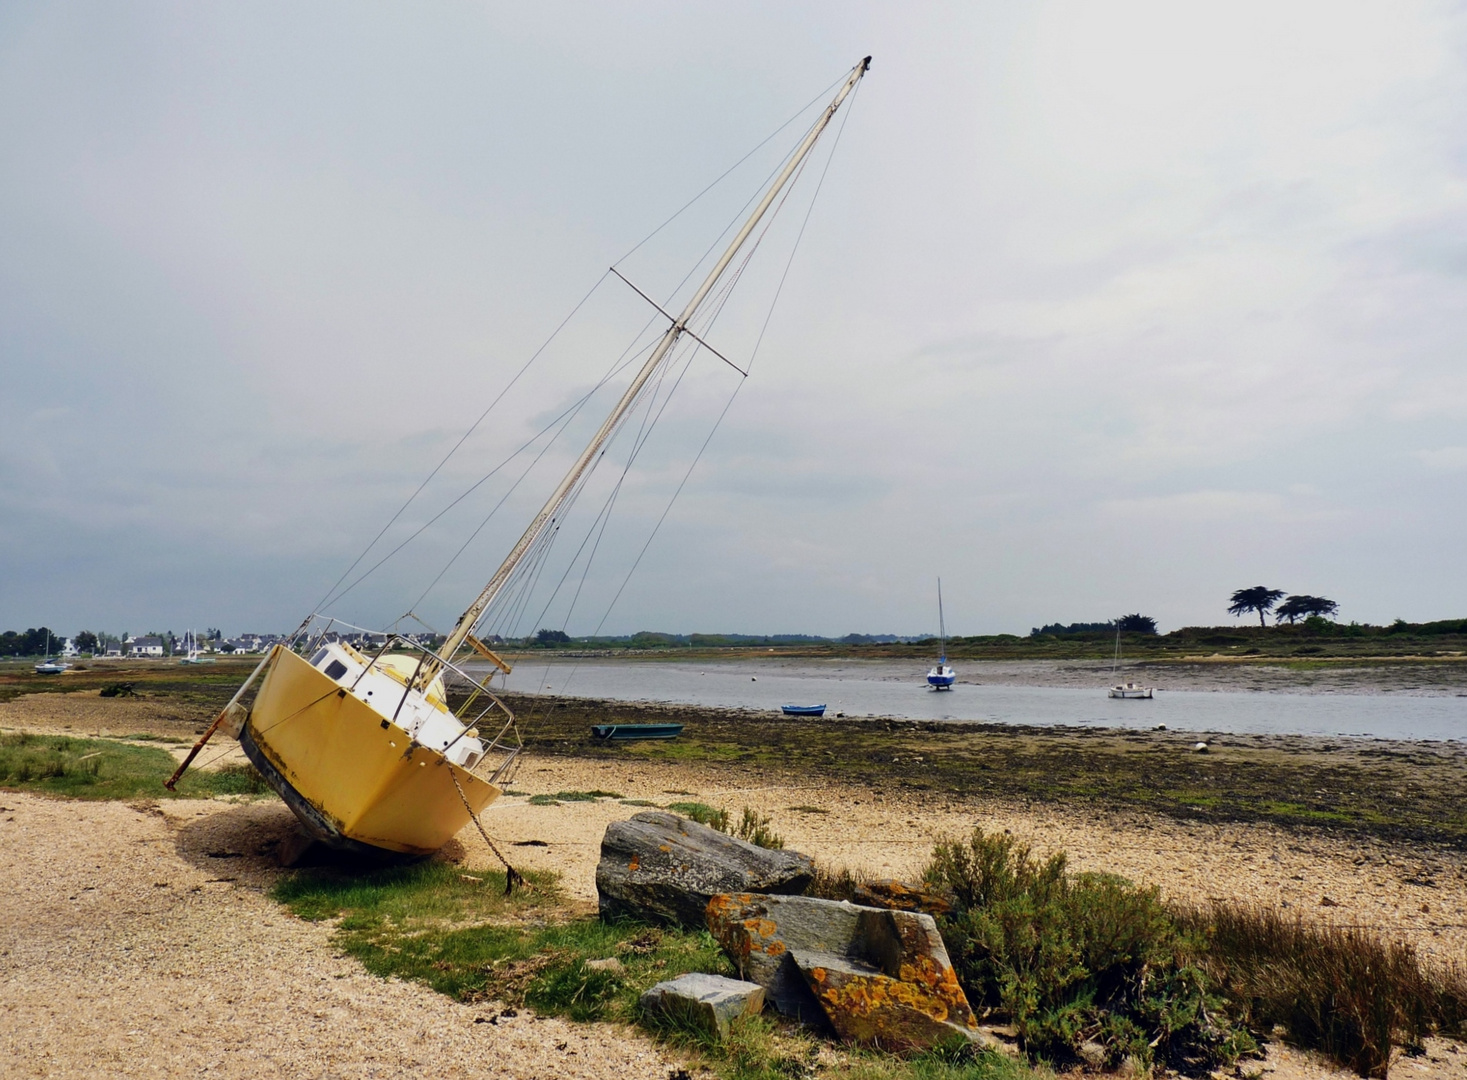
(136, 943)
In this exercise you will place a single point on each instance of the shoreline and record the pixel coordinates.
(1391, 789)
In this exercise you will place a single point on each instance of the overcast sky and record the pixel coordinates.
(1102, 308)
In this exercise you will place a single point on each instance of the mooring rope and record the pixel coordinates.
(512, 876)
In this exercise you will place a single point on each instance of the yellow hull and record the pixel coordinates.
(352, 777)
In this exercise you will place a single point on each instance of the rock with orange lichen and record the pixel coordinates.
(877, 976)
(757, 930)
(903, 896)
(659, 867)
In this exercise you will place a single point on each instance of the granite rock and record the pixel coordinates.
(709, 1003)
(878, 976)
(659, 867)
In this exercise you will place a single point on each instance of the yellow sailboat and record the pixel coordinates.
(367, 750)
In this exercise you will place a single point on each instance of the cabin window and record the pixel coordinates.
(336, 669)
(321, 654)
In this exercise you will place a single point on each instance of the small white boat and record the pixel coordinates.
(1128, 690)
(941, 677)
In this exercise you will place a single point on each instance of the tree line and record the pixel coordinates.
(33, 642)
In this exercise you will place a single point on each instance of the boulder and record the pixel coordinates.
(878, 976)
(659, 867)
(902, 896)
(757, 932)
(707, 1002)
(867, 1006)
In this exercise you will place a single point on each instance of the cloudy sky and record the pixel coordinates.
(1101, 308)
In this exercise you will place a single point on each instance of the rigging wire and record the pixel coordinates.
(331, 596)
(567, 416)
(724, 175)
(534, 567)
(835, 145)
(625, 360)
(327, 598)
(715, 310)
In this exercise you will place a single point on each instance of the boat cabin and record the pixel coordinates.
(385, 685)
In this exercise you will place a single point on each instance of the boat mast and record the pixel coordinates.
(941, 631)
(549, 513)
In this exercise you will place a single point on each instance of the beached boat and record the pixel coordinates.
(191, 650)
(368, 750)
(47, 666)
(633, 732)
(1126, 690)
(802, 710)
(941, 677)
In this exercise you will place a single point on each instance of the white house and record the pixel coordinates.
(147, 645)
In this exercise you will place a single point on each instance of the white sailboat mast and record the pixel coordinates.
(549, 513)
(941, 630)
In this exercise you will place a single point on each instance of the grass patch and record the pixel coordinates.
(757, 829)
(572, 796)
(457, 933)
(702, 813)
(808, 810)
(638, 802)
(833, 883)
(464, 938)
(108, 769)
(752, 826)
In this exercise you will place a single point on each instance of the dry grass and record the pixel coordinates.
(1344, 990)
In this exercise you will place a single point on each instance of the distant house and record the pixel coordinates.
(147, 645)
(114, 648)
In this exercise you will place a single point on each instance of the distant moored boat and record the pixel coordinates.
(1129, 690)
(941, 677)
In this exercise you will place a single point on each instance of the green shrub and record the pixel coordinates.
(1077, 958)
(757, 829)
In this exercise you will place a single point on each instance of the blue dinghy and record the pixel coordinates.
(802, 710)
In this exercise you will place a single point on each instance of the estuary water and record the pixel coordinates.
(1246, 701)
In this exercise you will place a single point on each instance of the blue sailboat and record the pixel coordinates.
(941, 677)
